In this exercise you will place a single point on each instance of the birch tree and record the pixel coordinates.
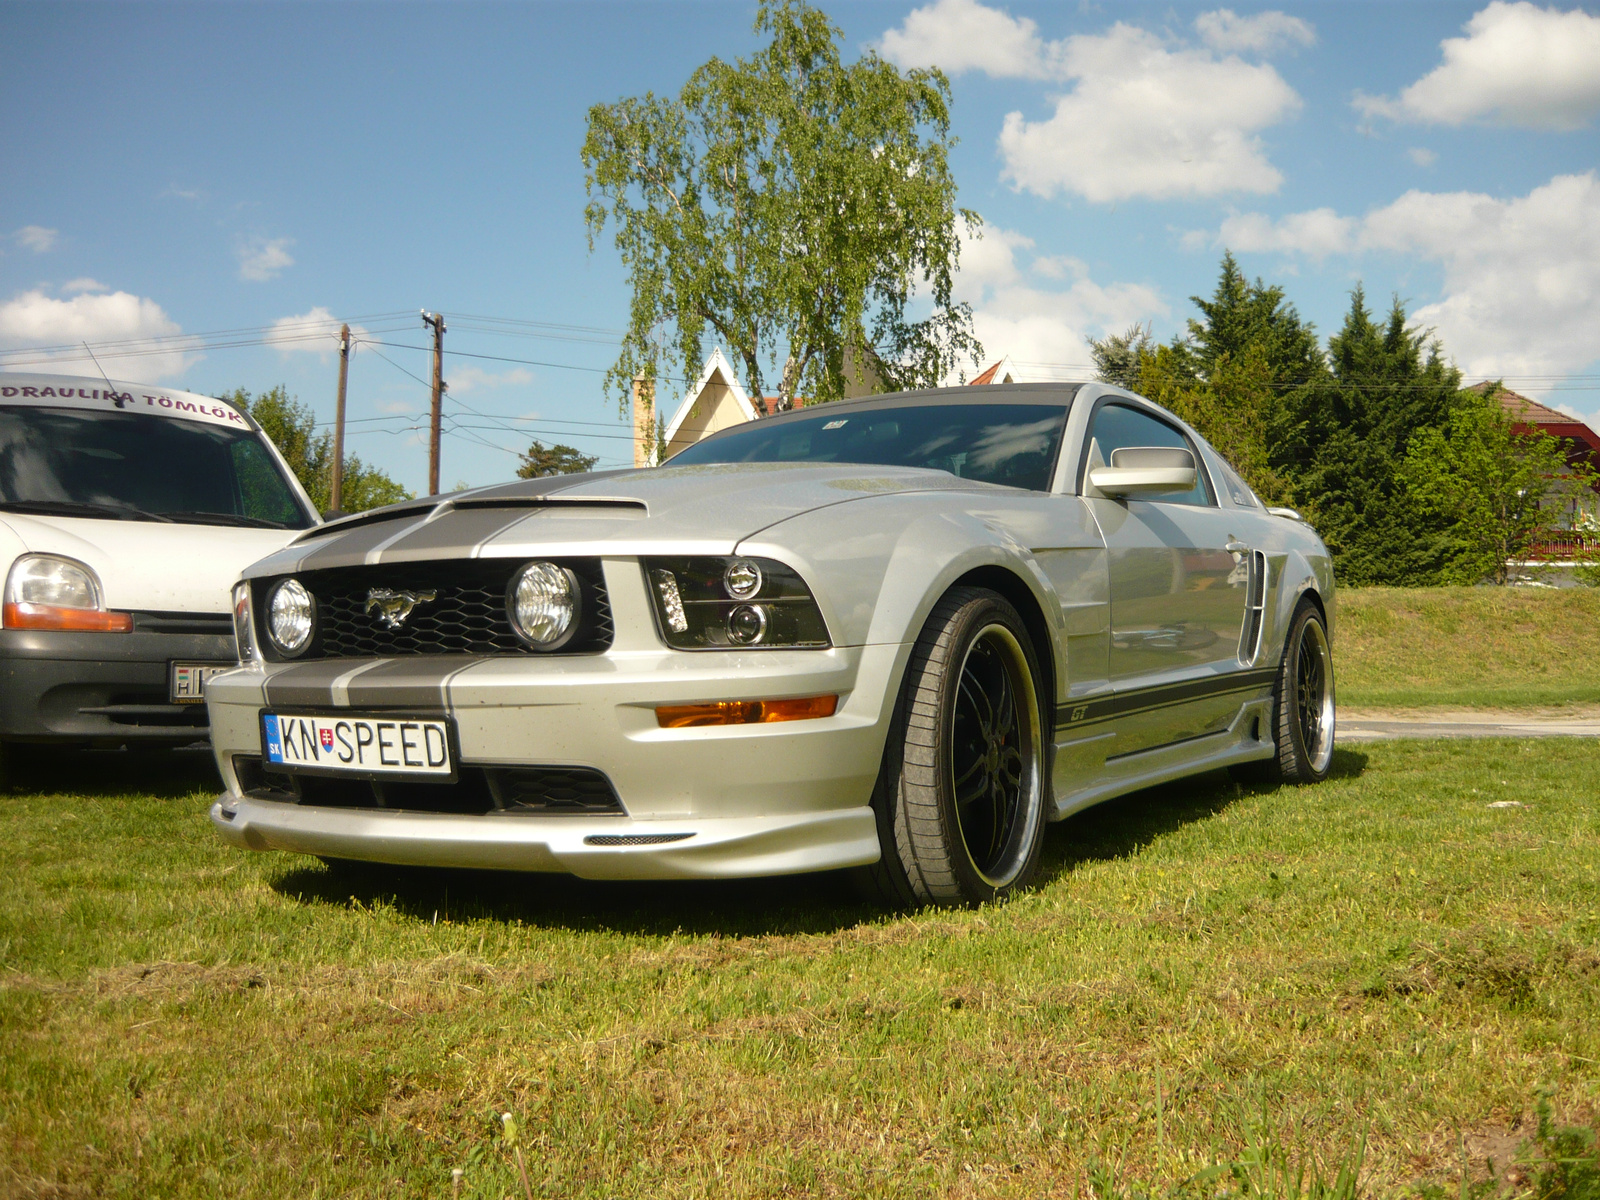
(795, 209)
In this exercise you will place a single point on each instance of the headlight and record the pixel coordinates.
(291, 617)
(733, 604)
(243, 627)
(45, 591)
(544, 602)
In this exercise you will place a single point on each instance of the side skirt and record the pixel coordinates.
(1247, 738)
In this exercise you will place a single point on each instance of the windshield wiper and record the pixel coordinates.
(79, 508)
(219, 518)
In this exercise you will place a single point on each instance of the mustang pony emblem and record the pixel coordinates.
(393, 608)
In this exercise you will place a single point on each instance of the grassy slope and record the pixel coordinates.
(1383, 955)
(1468, 647)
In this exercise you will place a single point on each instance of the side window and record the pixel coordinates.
(1236, 487)
(1117, 427)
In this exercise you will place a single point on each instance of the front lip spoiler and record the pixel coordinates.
(591, 848)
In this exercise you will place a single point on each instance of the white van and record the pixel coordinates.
(126, 514)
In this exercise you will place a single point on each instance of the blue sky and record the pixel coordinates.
(192, 169)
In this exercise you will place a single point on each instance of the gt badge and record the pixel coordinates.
(394, 608)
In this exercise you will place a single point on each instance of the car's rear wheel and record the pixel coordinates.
(1303, 710)
(960, 799)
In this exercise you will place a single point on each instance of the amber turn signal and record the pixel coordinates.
(745, 712)
(77, 620)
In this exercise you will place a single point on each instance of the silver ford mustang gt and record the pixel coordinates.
(897, 634)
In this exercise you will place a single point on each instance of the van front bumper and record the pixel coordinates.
(104, 689)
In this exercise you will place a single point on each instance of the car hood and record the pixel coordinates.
(150, 566)
(705, 509)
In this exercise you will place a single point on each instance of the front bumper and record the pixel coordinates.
(101, 688)
(597, 848)
(735, 800)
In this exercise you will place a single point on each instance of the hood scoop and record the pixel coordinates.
(596, 506)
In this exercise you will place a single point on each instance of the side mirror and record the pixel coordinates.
(1145, 471)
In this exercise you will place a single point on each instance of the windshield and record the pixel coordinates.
(78, 462)
(1012, 444)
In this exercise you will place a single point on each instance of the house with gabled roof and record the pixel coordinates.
(1004, 371)
(1572, 509)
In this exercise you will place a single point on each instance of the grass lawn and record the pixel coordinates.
(1467, 647)
(1202, 969)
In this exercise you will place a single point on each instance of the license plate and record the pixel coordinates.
(187, 682)
(362, 745)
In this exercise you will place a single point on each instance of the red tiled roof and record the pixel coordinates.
(1522, 408)
(987, 376)
(1533, 415)
(769, 404)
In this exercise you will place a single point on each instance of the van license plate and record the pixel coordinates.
(186, 683)
(365, 745)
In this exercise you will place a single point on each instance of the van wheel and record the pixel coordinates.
(960, 799)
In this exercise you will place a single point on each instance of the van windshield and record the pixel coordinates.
(1011, 444)
(73, 462)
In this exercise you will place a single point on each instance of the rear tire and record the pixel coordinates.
(1303, 709)
(960, 799)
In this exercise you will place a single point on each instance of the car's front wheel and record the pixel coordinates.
(960, 799)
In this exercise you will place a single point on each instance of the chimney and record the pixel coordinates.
(644, 425)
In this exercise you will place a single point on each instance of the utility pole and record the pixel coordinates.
(435, 323)
(336, 494)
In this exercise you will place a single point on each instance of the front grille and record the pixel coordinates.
(149, 709)
(529, 791)
(212, 624)
(466, 616)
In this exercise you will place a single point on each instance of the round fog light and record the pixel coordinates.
(291, 614)
(747, 624)
(542, 603)
(742, 579)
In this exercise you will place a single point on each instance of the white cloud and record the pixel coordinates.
(314, 332)
(1519, 64)
(36, 238)
(1147, 115)
(963, 35)
(1521, 287)
(466, 380)
(35, 319)
(1149, 120)
(1042, 328)
(1264, 33)
(1315, 234)
(1521, 276)
(1422, 156)
(261, 259)
(83, 284)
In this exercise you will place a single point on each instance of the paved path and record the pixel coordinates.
(1362, 725)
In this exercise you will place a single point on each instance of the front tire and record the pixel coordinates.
(960, 799)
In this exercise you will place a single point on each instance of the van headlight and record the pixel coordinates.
(733, 603)
(48, 591)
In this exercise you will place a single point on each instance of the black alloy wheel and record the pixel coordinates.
(960, 799)
(1303, 710)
